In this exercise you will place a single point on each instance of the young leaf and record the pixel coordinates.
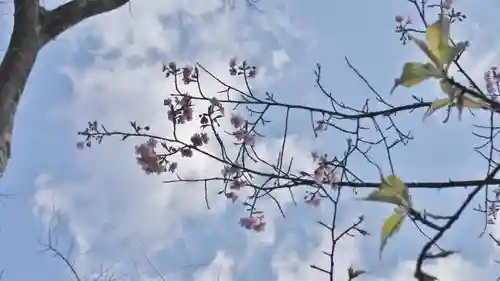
(395, 183)
(386, 195)
(414, 73)
(423, 46)
(447, 88)
(474, 103)
(440, 103)
(438, 40)
(455, 51)
(390, 227)
(437, 104)
(468, 101)
(353, 273)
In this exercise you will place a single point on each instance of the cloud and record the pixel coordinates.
(288, 265)
(280, 58)
(220, 269)
(113, 208)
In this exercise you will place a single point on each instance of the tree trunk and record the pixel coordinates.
(33, 28)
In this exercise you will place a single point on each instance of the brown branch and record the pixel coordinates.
(70, 14)
(15, 68)
(33, 28)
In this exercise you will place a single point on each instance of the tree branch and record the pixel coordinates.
(33, 28)
(70, 14)
(15, 68)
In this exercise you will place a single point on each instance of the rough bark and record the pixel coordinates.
(33, 28)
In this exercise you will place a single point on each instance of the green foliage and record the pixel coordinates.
(354, 273)
(394, 191)
(415, 73)
(439, 51)
(391, 225)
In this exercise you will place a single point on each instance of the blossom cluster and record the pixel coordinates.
(243, 133)
(325, 173)
(492, 81)
(180, 109)
(243, 69)
(148, 159)
(254, 223)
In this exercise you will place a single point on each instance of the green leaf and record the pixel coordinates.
(391, 190)
(414, 73)
(387, 195)
(395, 183)
(390, 227)
(447, 87)
(468, 101)
(455, 51)
(440, 103)
(474, 103)
(437, 104)
(438, 40)
(423, 46)
(353, 273)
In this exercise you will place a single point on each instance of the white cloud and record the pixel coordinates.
(115, 207)
(287, 265)
(220, 269)
(280, 58)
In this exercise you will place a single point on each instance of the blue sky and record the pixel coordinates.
(109, 69)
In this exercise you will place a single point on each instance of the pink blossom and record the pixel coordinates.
(313, 202)
(215, 102)
(489, 83)
(314, 155)
(240, 134)
(204, 138)
(232, 62)
(147, 157)
(186, 152)
(188, 113)
(253, 72)
(248, 222)
(259, 227)
(399, 19)
(331, 177)
(249, 139)
(228, 171)
(408, 20)
(233, 196)
(181, 119)
(172, 167)
(254, 223)
(447, 4)
(237, 184)
(171, 115)
(204, 120)
(186, 73)
(196, 140)
(185, 101)
(319, 174)
(80, 145)
(237, 121)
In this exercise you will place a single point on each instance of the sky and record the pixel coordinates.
(100, 204)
